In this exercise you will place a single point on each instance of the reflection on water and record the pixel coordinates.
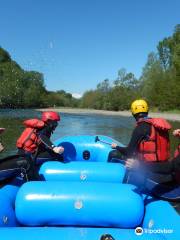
(119, 128)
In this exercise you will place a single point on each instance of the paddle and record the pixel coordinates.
(98, 140)
(162, 191)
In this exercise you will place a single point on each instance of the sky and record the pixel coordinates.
(78, 43)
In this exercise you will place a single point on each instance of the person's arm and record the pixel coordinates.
(142, 131)
(46, 141)
(44, 136)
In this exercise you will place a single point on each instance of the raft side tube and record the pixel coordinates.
(161, 218)
(7, 212)
(83, 171)
(80, 204)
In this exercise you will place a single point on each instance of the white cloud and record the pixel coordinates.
(77, 95)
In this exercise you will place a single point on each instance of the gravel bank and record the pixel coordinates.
(168, 116)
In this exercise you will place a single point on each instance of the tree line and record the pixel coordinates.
(159, 83)
(26, 89)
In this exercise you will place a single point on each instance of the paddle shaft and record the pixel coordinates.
(98, 140)
(105, 142)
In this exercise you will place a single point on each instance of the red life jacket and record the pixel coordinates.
(157, 146)
(29, 141)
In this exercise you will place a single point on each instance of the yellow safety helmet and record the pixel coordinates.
(139, 106)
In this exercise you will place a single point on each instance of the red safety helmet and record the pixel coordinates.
(50, 115)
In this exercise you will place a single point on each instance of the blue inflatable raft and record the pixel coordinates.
(84, 199)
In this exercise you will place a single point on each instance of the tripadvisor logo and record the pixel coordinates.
(138, 231)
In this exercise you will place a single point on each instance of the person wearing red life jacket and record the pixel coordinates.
(149, 146)
(34, 148)
(35, 139)
(150, 138)
(168, 167)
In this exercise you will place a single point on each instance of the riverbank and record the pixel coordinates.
(166, 115)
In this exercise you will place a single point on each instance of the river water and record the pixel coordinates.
(117, 127)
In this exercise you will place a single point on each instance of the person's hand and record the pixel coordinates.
(113, 145)
(1, 147)
(58, 150)
(176, 133)
(132, 163)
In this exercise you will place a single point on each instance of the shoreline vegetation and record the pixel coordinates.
(166, 115)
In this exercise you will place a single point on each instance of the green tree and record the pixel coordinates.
(11, 90)
(104, 86)
(4, 56)
(34, 89)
